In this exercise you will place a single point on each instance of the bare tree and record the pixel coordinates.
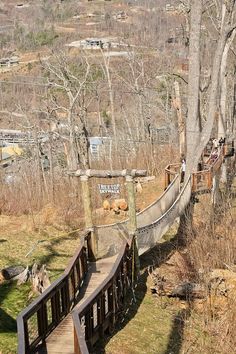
(68, 95)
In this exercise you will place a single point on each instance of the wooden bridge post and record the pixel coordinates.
(93, 244)
(76, 343)
(132, 204)
(132, 218)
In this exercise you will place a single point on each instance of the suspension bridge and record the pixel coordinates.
(84, 303)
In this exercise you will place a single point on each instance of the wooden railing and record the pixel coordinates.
(99, 313)
(38, 320)
(170, 173)
(229, 149)
(202, 181)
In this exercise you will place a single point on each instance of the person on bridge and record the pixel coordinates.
(183, 169)
(215, 143)
(214, 155)
(221, 141)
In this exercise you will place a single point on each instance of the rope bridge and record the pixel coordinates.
(84, 303)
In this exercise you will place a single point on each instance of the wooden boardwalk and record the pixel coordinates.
(61, 340)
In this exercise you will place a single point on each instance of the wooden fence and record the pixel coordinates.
(170, 173)
(202, 181)
(38, 320)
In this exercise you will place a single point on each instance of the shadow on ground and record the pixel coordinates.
(7, 322)
(156, 256)
(176, 335)
(10, 293)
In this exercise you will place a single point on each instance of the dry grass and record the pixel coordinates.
(203, 326)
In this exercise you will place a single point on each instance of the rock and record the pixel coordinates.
(222, 282)
(106, 205)
(23, 277)
(123, 205)
(11, 272)
(39, 278)
(119, 204)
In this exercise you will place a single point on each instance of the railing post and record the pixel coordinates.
(92, 243)
(42, 320)
(133, 218)
(100, 314)
(166, 179)
(76, 343)
(112, 305)
(193, 182)
(131, 203)
(209, 179)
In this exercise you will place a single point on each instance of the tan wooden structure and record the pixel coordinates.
(129, 175)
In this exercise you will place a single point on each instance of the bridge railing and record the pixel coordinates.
(149, 235)
(99, 312)
(203, 180)
(170, 173)
(112, 234)
(229, 149)
(38, 320)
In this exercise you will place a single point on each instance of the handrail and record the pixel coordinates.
(99, 312)
(169, 209)
(203, 180)
(229, 149)
(171, 171)
(38, 320)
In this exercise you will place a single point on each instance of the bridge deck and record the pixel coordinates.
(61, 340)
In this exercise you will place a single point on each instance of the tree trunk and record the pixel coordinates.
(225, 31)
(181, 123)
(83, 146)
(192, 123)
(52, 186)
(11, 272)
(186, 224)
(111, 95)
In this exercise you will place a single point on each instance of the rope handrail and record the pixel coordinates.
(170, 209)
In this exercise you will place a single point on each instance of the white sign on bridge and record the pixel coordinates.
(109, 188)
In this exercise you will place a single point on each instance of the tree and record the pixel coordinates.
(68, 95)
(198, 126)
